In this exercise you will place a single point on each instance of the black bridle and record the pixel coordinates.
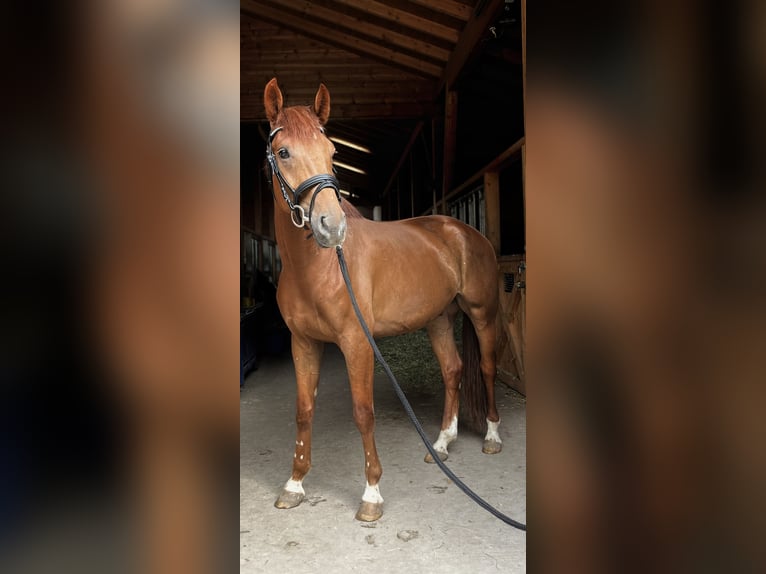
(321, 181)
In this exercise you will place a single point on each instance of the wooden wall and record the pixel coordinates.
(511, 321)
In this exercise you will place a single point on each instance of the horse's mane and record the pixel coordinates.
(350, 211)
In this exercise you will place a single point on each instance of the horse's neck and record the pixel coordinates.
(297, 252)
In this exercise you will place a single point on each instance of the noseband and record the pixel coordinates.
(321, 181)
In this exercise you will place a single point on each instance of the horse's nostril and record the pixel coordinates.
(322, 221)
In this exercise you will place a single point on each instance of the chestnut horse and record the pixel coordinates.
(406, 275)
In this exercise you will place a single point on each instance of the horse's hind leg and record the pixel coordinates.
(360, 362)
(443, 343)
(486, 332)
(307, 357)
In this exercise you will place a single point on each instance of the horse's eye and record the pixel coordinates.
(283, 153)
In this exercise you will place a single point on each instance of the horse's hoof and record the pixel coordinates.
(369, 511)
(430, 460)
(491, 447)
(289, 499)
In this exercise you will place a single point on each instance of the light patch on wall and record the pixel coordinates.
(350, 167)
(351, 145)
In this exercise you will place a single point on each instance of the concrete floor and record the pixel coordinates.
(428, 524)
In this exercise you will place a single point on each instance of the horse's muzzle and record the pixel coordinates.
(329, 229)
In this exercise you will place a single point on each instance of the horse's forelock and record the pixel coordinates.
(298, 121)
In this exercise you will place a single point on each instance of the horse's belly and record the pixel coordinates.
(410, 314)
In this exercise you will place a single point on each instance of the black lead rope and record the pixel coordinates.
(407, 407)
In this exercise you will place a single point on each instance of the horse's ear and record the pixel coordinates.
(322, 104)
(272, 100)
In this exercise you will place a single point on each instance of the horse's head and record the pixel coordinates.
(300, 160)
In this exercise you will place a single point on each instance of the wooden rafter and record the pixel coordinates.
(312, 76)
(405, 18)
(449, 7)
(340, 19)
(330, 35)
(472, 33)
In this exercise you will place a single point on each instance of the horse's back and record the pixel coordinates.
(474, 250)
(458, 245)
(418, 266)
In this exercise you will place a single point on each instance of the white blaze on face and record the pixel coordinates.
(446, 436)
(294, 486)
(372, 494)
(492, 433)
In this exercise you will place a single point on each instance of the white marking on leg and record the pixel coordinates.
(301, 457)
(316, 390)
(300, 443)
(372, 494)
(294, 486)
(492, 433)
(446, 436)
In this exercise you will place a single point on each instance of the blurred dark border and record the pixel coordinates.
(85, 249)
(647, 259)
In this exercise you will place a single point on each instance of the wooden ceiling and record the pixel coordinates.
(385, 63)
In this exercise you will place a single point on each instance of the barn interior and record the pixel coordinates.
(427, 116)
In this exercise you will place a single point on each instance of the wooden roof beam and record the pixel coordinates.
(371, 50)
(472, 33)
(449, 7)
(308, 74)
(295, 64)
(407, 19)
(315, 12)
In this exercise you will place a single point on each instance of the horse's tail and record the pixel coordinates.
(474, 393)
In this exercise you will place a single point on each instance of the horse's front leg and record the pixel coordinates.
(360, 362)
(307, 358)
